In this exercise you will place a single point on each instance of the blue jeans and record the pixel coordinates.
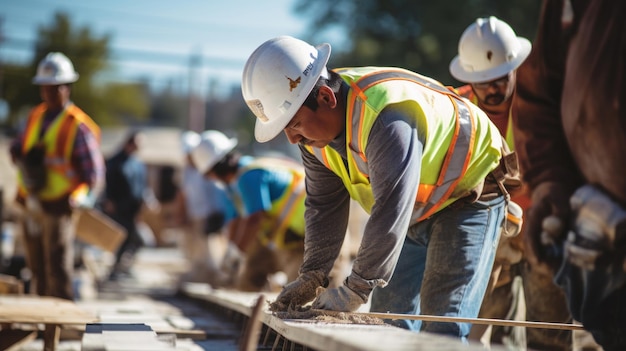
(444, 267)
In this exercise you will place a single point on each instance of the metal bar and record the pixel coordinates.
(488, 321)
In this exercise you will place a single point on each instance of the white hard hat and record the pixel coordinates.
(189, 139)
(488, 49)
(211, 149)
(55, 69)
(277, 78)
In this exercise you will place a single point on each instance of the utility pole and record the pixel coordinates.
(4, 106)
(196, 118)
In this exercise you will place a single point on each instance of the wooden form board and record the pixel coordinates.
(334, 336)
(106, 336)
(95, 228)
(42, 309)
(52, 312)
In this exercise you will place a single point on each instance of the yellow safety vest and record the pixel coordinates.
(287, 211)
(461, 145)
(58, 140)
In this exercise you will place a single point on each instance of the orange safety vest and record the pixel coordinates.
(58, 141)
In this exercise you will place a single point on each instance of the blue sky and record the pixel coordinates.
(156, 38)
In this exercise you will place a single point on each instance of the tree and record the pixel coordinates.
(416, 34)
(90, 56)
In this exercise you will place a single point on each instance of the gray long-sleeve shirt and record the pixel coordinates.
(394, 152)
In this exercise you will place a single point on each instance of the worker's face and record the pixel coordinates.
(317, 128)
(56, 96)
(497, 91)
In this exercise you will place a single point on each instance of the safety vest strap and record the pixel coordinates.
(455, 163)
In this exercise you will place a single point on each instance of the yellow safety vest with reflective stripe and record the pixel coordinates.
(287, 211)
(461, 145)
(467, 92)
(58, 140)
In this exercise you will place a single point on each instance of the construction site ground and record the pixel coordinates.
(195, 317)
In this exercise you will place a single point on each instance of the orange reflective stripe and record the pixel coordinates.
(468, 156)
(86, 120)
(513, 219)
(424, 191)
(65, 137)
(358, 91)
(32, 131)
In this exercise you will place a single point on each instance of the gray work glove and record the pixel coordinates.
(341, 299)
(598, 230)
(299, 291)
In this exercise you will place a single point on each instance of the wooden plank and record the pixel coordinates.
(42, 309)
(97, 229)
(322, 335)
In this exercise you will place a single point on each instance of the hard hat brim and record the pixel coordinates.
(266, 131)
(54, 80)
(458, 72)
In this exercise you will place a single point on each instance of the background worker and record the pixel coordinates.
(489, 54)
(207, 209)
(571, 139)
(60, 168)
(126, 189)
(386, 154)
(269, 196)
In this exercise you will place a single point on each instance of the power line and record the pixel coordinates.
(124, 54)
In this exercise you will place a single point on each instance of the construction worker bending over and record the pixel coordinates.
(207, 209)
(489, 54)
(269, 196)
(60, 168)
(416, 156)
(571, 139)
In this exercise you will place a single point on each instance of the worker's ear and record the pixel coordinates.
(326, 96)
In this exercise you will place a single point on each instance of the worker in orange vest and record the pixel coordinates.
(60, 168)
(489, 54)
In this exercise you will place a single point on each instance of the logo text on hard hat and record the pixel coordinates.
(293, 83)
(257, 108)
(49, 68)
(309, 67)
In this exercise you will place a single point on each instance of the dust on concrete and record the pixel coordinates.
(326, 316)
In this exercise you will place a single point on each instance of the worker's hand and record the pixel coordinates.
(299, 291)
(341, 299)
(599, 225)
(86, 200)
(547, 221)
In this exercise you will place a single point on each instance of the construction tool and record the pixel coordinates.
(430, 318)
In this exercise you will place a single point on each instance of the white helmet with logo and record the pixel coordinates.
(488, 49)
(277, 78)
(55, 69)
(211, 149)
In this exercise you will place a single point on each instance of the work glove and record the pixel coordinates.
(547, 220)
(299, 291)
(341, 299)
(83, 197)
(598, 231)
